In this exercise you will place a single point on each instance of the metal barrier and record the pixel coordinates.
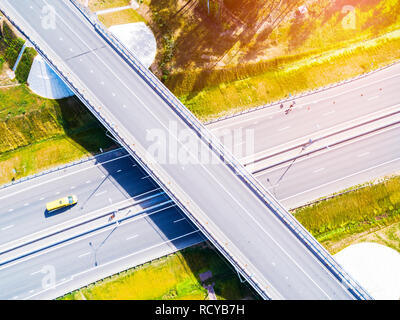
(228, 158)
(217, 147)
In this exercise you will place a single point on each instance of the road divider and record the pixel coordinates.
(322, 139)
(331, 141)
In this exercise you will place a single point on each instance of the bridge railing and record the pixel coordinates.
(215, 145)
(239, 266)
(230, 160)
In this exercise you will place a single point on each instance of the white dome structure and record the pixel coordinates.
(375, 267)
(45, 82)
(139, 38)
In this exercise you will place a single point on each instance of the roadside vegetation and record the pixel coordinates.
(174, 277)
(120, 17)
(370, 214)
(39, 133)
(96, 5)
(247, 53)
(339, 221)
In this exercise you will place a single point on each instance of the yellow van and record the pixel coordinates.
(62, 203)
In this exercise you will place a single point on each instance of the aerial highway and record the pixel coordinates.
(374, 156)
(99, 254)
(312, 116)
(244, 227)
(115, 177)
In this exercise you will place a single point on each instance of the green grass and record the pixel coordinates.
(120, 17)
(49, 153)
(350, 214)
(25, 64)
(293, 78)
(388, 236)
(171, 277)
(214, 73)
(96, 5)
(38, 133)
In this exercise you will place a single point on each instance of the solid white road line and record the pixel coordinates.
(84, 254)
(60, 177)
(343, 178)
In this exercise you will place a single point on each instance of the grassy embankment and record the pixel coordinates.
(96, 5)
(214, 72)
(38, 133)
(338, 222)
(120, 17)
(172, 277)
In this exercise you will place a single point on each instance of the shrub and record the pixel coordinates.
(25, 65)
(12, 51)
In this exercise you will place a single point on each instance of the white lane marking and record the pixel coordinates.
(283, 129)
(124, 106)
(132, 237)
(84, 255)
(72, 187)
(60, 177)
(237, 120)
(88, 181)
(36, 272)
(145, 177)
(120, 259)
(100, 193)
(373, 98)
(58, 192)
(42, 198)
(328, 113)
(363, 154)
(337, 180)
(8, 227)
(10, 210)
(179, 220)
(205, 168)
(319, 170)
(119, 170)
(26, 204)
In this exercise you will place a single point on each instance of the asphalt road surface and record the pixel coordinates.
(254, 133)
(253, 234)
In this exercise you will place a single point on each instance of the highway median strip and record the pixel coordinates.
(331, 139)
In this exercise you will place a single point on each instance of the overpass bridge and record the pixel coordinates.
(263, 242)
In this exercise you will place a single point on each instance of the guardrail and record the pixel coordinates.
(121, 140)
(214, 145)
(59, 168)
(228, 158)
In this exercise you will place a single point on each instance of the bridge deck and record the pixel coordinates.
(223, 204)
